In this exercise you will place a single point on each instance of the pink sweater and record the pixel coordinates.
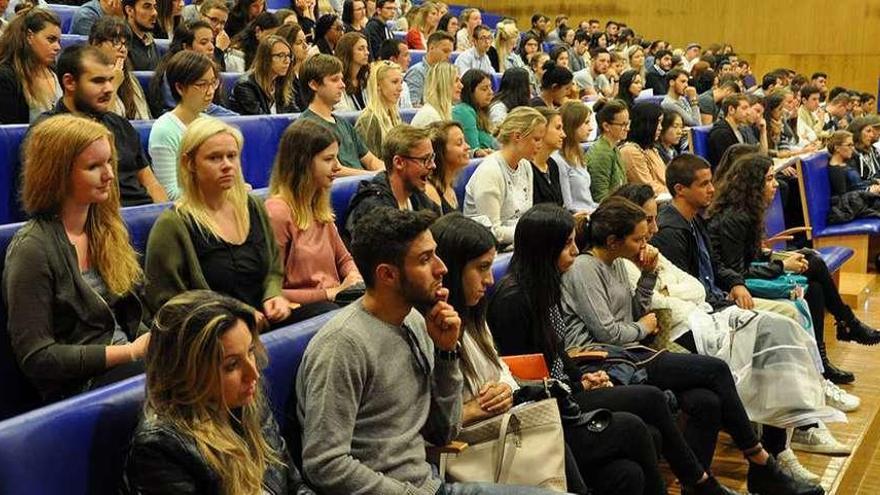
(314, 259)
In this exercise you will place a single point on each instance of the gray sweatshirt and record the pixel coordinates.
(369, 395)
(598, 306)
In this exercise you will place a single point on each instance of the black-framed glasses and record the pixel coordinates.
(621, 124)
(424, 161)
(204, 85)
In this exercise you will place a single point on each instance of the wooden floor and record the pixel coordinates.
(858, 474)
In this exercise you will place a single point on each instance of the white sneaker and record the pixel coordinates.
(789, 464)
(819, 440)
(839, 398)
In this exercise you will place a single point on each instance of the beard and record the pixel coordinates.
(86, 106)
(421, 298)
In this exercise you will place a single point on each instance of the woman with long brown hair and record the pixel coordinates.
(266, 88)
(451, 155)
(28, 47)
(354, 52)
(207, 427)
(71, 275)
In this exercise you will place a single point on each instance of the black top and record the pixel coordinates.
(841, 179)
(376, 32)
(248, 98)
(537, 102)
(130, 154)
(142, 56)
(237, 270)
(15, 109)
(721, 137)
(493, 58)
(546, 185)
(734, 238)
(308, 27)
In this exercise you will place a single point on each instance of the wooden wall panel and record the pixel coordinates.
(839, 37)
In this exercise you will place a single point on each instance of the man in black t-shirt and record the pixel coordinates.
(86, 75)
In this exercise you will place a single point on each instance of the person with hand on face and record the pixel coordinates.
(88, 14)
(28, 47)
(409, 161)
(476, 57)
(265, 89)
(754, 131)
(217, 236)
(141, 17)
(207, 426)
(317, 266)
(87, 74)
(216, 14)
(110, 35)
(682, 98)
(71, 277)
(501, 189)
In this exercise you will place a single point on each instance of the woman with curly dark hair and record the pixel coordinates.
(736, 229)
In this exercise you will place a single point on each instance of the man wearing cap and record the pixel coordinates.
(691, 57)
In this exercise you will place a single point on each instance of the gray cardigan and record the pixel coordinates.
(58, 325)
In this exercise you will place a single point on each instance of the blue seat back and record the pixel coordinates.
(139, 220)
(499, 270)
(341, 192)
(463, 177)
(407, 115)
(655, 99)
(11, 137)
(65, 13)
(416, 56)
(78, 39)
(774, 220)
(816, 190)
(496, 80)
(399, 35)
(699, 139)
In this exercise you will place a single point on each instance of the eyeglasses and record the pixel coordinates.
(424, 161)
(217, 22)
(118, 43)
(206, 85)
(621, 124)
(284, 57)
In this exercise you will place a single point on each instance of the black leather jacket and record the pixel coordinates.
(162, 460)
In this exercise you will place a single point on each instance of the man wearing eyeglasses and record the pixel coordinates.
(87, 74)
(477, 57)
(216, 13)
(89, 13)
(409, 161)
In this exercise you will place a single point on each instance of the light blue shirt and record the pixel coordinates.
(415, 79)
(470, 60)
(86, 16)
(575, 185)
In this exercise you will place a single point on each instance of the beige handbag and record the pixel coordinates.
(523, 446)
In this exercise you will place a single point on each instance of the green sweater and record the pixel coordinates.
(606, 169)
(477, 139)
(172, 266)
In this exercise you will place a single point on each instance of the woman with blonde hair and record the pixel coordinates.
(71, 275)
(265, 89)
(317, 265)
(442, 90)
(502, 53)
(28, 49)
(501, 188)
(381, 114)
(207, 427)
(217, 236)
(354, 52)
(426, 20)
(574, 178)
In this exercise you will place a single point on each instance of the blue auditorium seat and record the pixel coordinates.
(453, 57)
(698, 137)
(463, 177)
(65, 13)
(73, 39)
(11, 137)
(499, 270)
(407, 114)
(416, 56)
(816, 202)
(656, 99)
(496, 81)
(399, 35)
(341, 192)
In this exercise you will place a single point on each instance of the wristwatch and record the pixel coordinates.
(452, 355)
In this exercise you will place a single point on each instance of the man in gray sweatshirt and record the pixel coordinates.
(382, 377)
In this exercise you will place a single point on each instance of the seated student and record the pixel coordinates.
(473, 111)
(296, 38)
(384, 88)
(321, 78)
(476, 57)
(451, 155)
(380, 359)
(207, 426)
(555, 86)
(395, 51)
(317, 266)
(842, 178)
(28, 47)
(754, 131)
(243, 48)
(836, 108)
(782, 140)
(215, 13)
(574, 178)
(448, 24)
(140, 15)
(354, 53)
(710, 101)
(409, 160)
(377, 29)
(265, 89)
(217, 236)
(168, 16)
(71, 276)
(307, 13)
(811, 116)
(513, 92)
(328, 30)
(242, 13)
(501, 189)
(442, 90)
(468, 21)
(525, 316)
(631, 85)
(89, 13)
(194, 37)
(440, 46)
(606, 168)
(605, 460)
(502, 53)
(193, 78)
(354, 15)
(726, 132)
(424, 25)
(681, 98)
(594, 80)
(109, 34)
(536, 72)
(639, 155)
(87, 76)
(866, 158)
(655, 76)
(736, 227)
(545, 171)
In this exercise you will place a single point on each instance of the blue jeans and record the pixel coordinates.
(490, 489)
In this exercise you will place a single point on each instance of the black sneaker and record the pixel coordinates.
(708, 487)
(836, 375)
(856, 331)
(769, 480)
